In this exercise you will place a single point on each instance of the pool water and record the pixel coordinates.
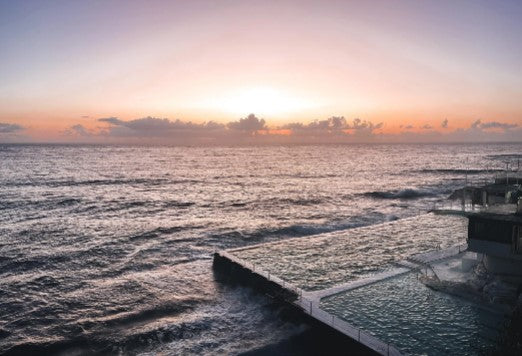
(416, 319)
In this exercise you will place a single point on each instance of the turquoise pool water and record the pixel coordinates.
(417, 320)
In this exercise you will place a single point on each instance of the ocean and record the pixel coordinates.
(108, 249)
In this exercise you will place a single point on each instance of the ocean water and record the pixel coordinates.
(322, 261)
(108, 248)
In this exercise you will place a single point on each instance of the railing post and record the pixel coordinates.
(359, 337)
(310, 307)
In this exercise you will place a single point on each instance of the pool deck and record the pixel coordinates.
(308, 301)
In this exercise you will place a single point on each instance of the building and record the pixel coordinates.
(499, 238)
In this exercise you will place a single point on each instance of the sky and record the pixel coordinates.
(268, 71)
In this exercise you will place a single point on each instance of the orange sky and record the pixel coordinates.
(401, 64)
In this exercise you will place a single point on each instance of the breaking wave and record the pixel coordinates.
(504, 156)
(400, 194)
(266, 234)
(457, 171)
(97, 182)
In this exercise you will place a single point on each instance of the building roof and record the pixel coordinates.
(495, 216)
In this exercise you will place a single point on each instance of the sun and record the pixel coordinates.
(261, 100)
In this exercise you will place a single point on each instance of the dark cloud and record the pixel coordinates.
(80, 130)
(6, 128)
(113, 121)
(332, 124)
(479, 125)
(497, 125)
(486, 131)
(476, 124)
(364, 125)
(77, 130)
(156, 127)
(407, 127)
(364, 130)
(241, 131)
(252, 129)
(250, 124)
(335, 125)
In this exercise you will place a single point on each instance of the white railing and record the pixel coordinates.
(469, 184)
(453, 205)
(258, 270)
(312, 308)
(436, 255)
(478, 182)
(496, 178)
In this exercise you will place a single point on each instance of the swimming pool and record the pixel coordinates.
(416, 319)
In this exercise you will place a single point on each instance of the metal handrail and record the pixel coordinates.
(310, 307)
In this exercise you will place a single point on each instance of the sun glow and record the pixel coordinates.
(262, 101)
